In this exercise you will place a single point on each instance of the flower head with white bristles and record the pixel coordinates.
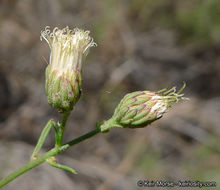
(138, 109)
(68, 48)
(63, 74)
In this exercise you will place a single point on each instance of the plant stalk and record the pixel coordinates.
(62, 128)
(53, 152)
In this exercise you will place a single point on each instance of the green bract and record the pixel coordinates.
(62, 92)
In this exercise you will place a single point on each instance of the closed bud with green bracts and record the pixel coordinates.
(69, 48)
(138, 109)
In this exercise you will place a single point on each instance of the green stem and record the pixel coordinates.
(62, 128)
(83, 137)
(52, 152)
(29, 166)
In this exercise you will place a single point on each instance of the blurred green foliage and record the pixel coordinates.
(109, 11)
(200, 22)
(148, 163)
(196, 21)
(206, 157)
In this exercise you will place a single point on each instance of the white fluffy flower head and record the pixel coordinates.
(68, 48)
(164, 99)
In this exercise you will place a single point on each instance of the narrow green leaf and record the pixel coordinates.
(60, 166)
(42, 138)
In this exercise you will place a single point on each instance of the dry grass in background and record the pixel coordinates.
(141, 45)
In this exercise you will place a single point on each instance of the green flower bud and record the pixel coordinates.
(138, 109)
(69, 48)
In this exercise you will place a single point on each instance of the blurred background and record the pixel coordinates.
(142, 45)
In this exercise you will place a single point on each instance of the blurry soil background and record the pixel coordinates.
(142, 45)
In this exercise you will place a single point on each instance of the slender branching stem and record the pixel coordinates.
(53, 152)
(62, 128)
